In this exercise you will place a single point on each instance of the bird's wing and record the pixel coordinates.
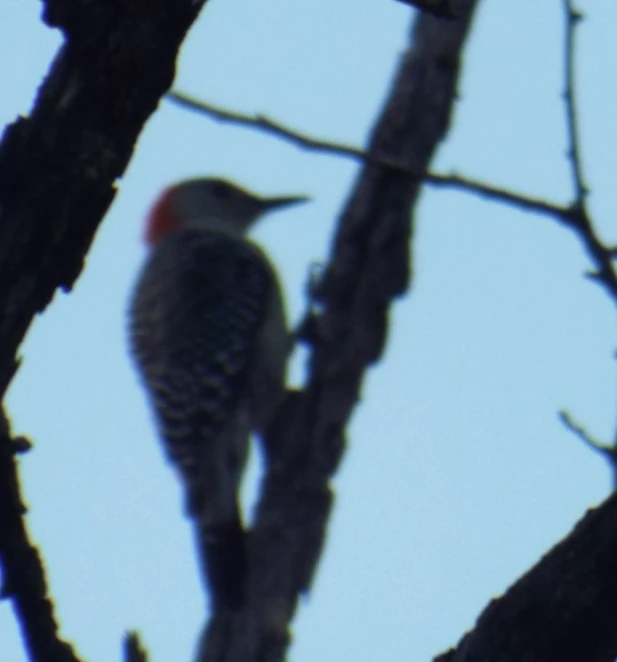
(198, 332)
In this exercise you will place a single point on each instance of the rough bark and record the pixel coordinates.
(58, 167)
(563, 610)
(368, 269)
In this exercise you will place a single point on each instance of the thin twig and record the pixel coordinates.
(609, 453)
(584, 436)
(523, 202)
(573, 18)
(263, 123)
(23, 573)
(278, 129)
(573, 216)
(601, 255)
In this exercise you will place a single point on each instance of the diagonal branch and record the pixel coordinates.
(306, 141)
(562, 609)
(560, 213)
(573, 216)
(368, 269)
(583, 435)
(58, 169)
(267, 125)
(609, 452)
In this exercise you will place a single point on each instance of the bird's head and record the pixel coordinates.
(209, 203)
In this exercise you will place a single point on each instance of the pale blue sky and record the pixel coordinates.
(458, 474)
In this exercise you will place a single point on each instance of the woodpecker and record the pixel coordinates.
(209, 337)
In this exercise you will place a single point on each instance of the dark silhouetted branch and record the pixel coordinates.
(601, 255)
(562, 609)
(303, 140)
(573, 216)
(23, 575)
(573, 18)
(609, 453)
(583, 435)
(368, 268)
(58, 169)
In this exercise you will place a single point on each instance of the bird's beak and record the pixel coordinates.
(269, 204)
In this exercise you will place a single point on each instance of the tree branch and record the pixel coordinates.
(58, 169)
(583, 435)
(608, 452)
(368, 268)
(574, 216)
(24, 577)
(600, 254)
(563, 609)
(573, 18)
(304, 140)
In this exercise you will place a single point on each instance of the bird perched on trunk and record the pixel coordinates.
(210, 340)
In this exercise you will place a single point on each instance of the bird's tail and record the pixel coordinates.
(212, 490)
(222, 550)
